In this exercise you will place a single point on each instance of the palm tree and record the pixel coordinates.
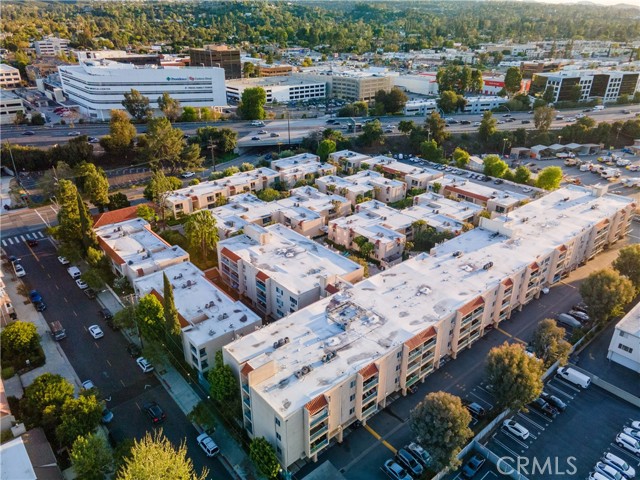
(202, 232)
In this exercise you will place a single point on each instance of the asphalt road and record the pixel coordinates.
(105, 361)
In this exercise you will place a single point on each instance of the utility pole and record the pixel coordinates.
(212, 147)
(289, 126)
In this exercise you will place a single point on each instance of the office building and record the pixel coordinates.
(279, 89)
(212, 193)
(9, 76)
(362, 186)
(606, 85)
(220, 56)
(99, 86)
(119, 56)
(359, 86)
(135, 250)
(10, 106)
(473, 105)
(209, 318)
(305, 378)
(280, 271)
(51, 46)
(274, 70)
(624, 348)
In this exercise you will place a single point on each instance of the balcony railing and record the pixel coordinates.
(414, 353)
(246, 401)
(261, 286)
(370, 384)
(317, 433)
(316, 420)
(245, 388)
(413, 379)
(428, 357)
(370, 410)
(426, 370)
(319, 446)
(247, 414)
(370, 396)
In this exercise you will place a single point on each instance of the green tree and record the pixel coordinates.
(203, 416)
(606, 293)
(461, 157)
(487, 126)
(38, 119)
(224, 140)
(137, 105)
(154, 458)
(441, 425)
(268, 195)
(117, 201)
(248, 70)
(549, 344)
(44, 397)
(224, 385)
(170, 106)
(395, 100)
(372, 134)
(549, 178)
(172, 322)
(190, 114)
(515, 376)
(147, 213)
(494, 166)
(326, 147)
(366, 249)
(628, 263)
(574, 93)
(548, 95)
(513, 80)
(78, 416)
(252, 103)
(150, 317)
(156, 191)
(476, 81)
(264, 457)
(126, 317)
(436, 128)
(543, 118)
(75, 151)
(448, 101)
(94, 184)
(20, 342)
(68, 230)
(431, 151)
(164, 147)
(122, 134)
(247, 167)
(522, 175)
(201, 232)
(91, 457)
(87, 234)
(405, 126)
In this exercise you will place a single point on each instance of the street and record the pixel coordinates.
(105, 361)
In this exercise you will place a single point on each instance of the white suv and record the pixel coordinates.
(208, 445)
(628, 443)
(144, 364)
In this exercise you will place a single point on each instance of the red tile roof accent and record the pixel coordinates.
(229, 254)
(562, 248)
(507, 283)
(181, 319)
(246, 369)
(332, 289)
(534, 266)
(263, 277)
(471, 306)
(116, 216)
(421, 338)
(111, 253)
(466, 193)
(602, 223)
(317, 404)
(369, 371)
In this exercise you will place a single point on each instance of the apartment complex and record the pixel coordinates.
(281, 271)
(348, 160)
(606, 85)
(10, 106)
(305, 378)
(366, 184)
(209, 318)
(220, 56)
(281, 89)
(185, 201)
(305, 166)
(414, 177)
(9, 76)
(51, 46)
(98, 86)
(135, 250)
(624, 348)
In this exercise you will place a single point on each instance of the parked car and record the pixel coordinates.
(395, 471)
(63, 260)
(154, 412)
(40, 306)
(19, 269)
(635, 424)
(81, 284)
(107, 416)
(543, 407)
(515, 429)
(90, 293)
(88, 385)
(419, 453)
(608, 471)
(581, 316)
(208, 445)
(473, 466)
(408, 461)
(144, 365)
(476, 410)
(133, 350)
(74, 272)
(632, 432)
(554, 401)
(187, 174)
(580, 307)
(35, 296)
(93, 140)
(628, 443)
(96, 332)
(619, 464)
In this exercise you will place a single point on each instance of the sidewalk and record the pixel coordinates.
(56, 360)
(232, 455)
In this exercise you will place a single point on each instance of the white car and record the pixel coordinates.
(73, 134)
(579, 315)
(19, 269)
(628, 443)
(635, 424)
(515, 429)
(608, 471)
(88, 385)
(208, 445)
(632, 432)
(144, 365)
(187, 174)
(527, 189)
(74, 272)
(81, 284)
(619, 464)
(63, 260)
(96, 332)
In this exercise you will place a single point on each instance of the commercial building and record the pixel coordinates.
(474, 105)
(359, 85)
(135, 250)
(414, 177)
(209, 318)
(420, 83)
(493, 84)
(281, 271)
(119, 56)
(218, 56)
(9, 76)
(606, 85)
(185, 201)
(362, 186)
(99, 86)
(306, 377)
(51, 46)
(305, 166)
(10, 105)
(625, 341)
(529, 69)
(279, 89)
(42, 68)
(274, 70)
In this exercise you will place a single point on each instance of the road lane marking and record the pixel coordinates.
(65, 299)
(56, 285)
(22, 238)
(74, 312)
(379, 438)
(125, 386)
(41, 234)
(109, 363)
(510, 336)
(10, 241)
(97, 346)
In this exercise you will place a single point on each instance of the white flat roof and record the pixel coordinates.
(393, 306)
(291, 259)
(450, 208)
(439, 221)
(376, 212)
(208, 310)
(311, 198)
(15, 462)
(295, 161)
(504, 197)
(136, 245)
(342, 182)
(349, 154)
(630, 323)
(404, 168)
(373, 178)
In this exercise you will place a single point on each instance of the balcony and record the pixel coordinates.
(246, 401)
(412, 366)
(247, 415)
(319, 446)
(370, 384)
(370, 396)
(370, 410)
(319, 418)
(426, 370)
(428, 357)
(314, 435)
(245, 388)
(412, 379)
(260, 286)
(474, 336)
(414, 353)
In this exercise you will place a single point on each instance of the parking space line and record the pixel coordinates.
(379, 438)
(510, 336)
(4, 244)
(109, 363)
(74, 312)
(565, 384)
(524, 417)
(515, 439)
(539, 415)
(627, 454)
(505, 447)
(482, 400)
(560, 391)
(41, 234)
(21, 238)
(489, 473)
(56, 285)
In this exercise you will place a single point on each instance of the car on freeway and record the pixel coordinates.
(506, 115)
(81, 284)
(96, 332)
(187, 174)
(543, 407)
(274, 135)
(19, 269)
(476, 124)
(133, 350)
(63, 260)
(208, 445)
(144, 365)
(28, 132)
(465, 122)
(473, 466)
(619, 464)
(93, 140)
(32, 243)
(554, 401)
(255, 138)
(90, 293)
(154, 412)
(74, 134)
(395, 471)
(409, 462)
(388, 130)
(262, 132)
(515, 429)
(419, 453)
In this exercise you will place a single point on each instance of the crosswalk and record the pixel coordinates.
(22, 238)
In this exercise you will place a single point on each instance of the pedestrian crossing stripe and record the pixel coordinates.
(21, 238)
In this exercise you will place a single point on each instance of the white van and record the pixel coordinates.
(74, 272)
(598, 107)
(574, 376)
(585, 167)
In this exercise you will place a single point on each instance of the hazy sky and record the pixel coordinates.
(599, 2)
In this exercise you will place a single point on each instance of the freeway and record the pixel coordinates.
(105, 361)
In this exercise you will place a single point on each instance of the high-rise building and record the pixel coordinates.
(218, 56)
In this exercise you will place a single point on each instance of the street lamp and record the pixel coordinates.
(212, 146)
(504, 145)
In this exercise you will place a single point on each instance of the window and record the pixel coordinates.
(293, 301)
(399, 354)
(203, 352)
(204, 364)
(623, 334)
(352, 398)
(279, 450)
(278, 436)
(352, 411)
(353, 384)
(397, 367)
(277, 421)
(193, 348)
